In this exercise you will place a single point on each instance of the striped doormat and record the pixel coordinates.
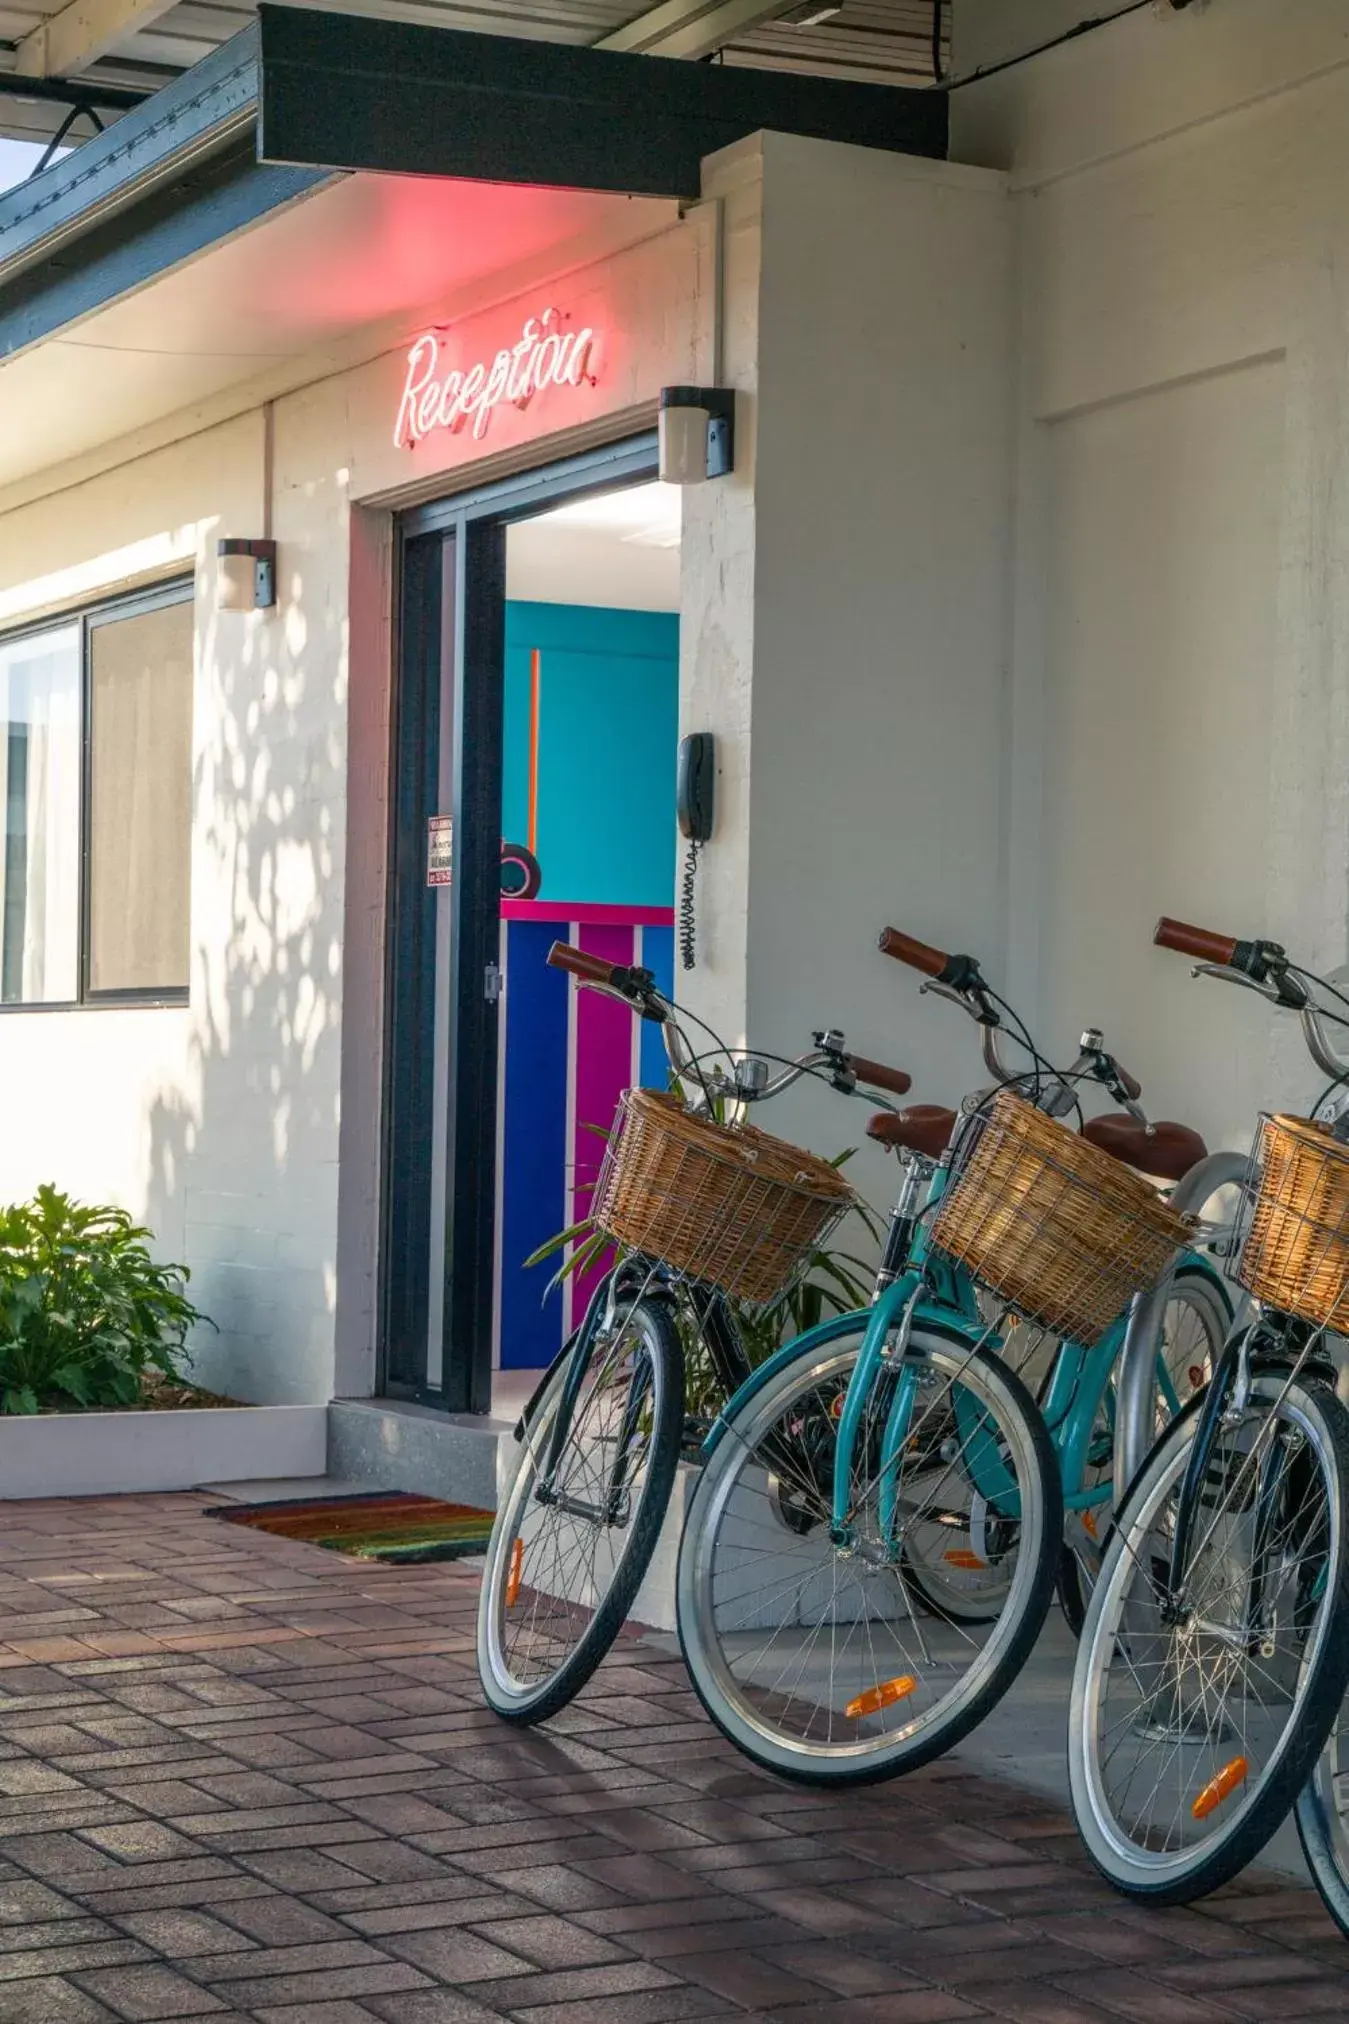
(390, 1525)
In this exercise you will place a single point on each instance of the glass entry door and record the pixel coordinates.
(440, 1136)
(443, 989)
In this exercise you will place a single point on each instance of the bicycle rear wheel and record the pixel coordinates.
(1198, 1711)
(813, 1651)
(575, 1531)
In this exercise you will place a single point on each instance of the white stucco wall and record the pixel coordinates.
(217, 1123)
(1180, 706)
(860, 696)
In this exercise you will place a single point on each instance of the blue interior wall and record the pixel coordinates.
(608, 726)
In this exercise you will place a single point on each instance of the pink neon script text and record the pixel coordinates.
(545, 356)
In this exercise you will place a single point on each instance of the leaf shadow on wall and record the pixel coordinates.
(248, 1145)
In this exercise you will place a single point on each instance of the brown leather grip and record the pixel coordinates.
(877, 1076)
(1130, 1084)
(590, 969)
(918, 955)
(1200, 943)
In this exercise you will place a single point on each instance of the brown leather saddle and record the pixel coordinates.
(1167, 1152)
(918, 1128)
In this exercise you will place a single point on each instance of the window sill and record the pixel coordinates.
(147, 1001)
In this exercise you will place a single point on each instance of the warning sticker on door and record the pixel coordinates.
(439, 850)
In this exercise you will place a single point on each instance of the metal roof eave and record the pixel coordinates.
(176, 176)
(196, 116)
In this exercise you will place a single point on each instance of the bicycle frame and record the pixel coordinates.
(932, 1289)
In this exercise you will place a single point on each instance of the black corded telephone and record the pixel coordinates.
(695, 801)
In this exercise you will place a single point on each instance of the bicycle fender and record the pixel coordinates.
(531, 1406)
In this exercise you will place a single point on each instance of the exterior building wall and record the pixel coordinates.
(245, 1128)
(859, 693)
(1179, 732)
(1021, 620)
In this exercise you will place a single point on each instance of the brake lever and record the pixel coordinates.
(937, 990)
(1226, 975)
(973, 1002)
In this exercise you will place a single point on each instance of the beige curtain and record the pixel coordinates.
(140, 815)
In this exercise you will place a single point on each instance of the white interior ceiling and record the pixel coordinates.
(618, 549)
(342, 275)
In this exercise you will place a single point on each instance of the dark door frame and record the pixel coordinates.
(451, 594)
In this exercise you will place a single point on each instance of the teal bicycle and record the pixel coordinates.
(874, 1542)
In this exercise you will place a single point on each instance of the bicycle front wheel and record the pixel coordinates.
(1199, 1707)
(810, 1645)
(576, 1529)
(1323, 1823)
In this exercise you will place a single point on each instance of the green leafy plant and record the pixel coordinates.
(86, 1314)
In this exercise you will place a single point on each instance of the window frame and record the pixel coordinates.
(105, 611)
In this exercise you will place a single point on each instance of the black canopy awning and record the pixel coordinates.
(352, 92)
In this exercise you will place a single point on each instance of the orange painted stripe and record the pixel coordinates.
(535, 670)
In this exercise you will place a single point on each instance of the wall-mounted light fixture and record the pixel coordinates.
(246, 578)
(697, 434)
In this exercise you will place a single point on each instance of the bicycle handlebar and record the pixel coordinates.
(1201, 943)
(918, 955)
(878, 1076)
(1264, 967)
(578, 963)
(1130, 1084)
(638, 988)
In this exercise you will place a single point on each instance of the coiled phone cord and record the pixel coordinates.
(687, 932)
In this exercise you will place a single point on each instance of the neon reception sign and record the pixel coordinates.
(545, 356)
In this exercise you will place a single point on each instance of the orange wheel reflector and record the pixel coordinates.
(883, 1696)
(836, 1407)
(961, 1556)
(1089, 1524)
(1220, 1787)
(513, 1578)
(1196, 1375)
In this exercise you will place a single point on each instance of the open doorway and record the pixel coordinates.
(535, 731)
(591, 712)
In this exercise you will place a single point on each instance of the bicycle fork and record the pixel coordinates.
(613, 1509)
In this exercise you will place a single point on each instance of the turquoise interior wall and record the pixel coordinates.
(608, 727)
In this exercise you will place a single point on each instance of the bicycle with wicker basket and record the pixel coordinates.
(870, 1551)
(1215, 1652)
(703, 1210)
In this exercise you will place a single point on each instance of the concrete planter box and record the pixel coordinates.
(106, 1454)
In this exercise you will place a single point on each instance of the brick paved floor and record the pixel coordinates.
(245, 1779)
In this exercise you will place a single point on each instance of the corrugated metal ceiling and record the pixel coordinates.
(873, 41)
(869, 42)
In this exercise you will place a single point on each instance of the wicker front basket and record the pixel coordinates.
(1060, 1231)
(731, 1206)
(1296, 1251)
